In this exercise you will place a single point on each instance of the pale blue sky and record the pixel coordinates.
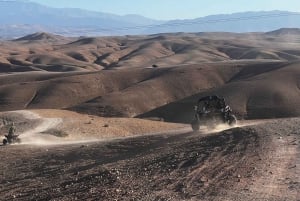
(175, 9)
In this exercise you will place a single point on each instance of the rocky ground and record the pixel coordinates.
(255, 161)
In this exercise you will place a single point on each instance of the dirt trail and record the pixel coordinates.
(281, 180)
(253, 162)
(35, 135)
(41, 133)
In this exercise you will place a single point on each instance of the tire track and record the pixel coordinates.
(36, 135)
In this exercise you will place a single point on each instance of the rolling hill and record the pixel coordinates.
(158, 76)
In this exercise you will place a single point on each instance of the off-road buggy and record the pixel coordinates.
(11, 139)
(211, 111)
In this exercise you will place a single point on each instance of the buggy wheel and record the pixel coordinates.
(195, 125)
(5, 141)
(232, 120)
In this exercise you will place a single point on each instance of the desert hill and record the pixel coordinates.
(48, 52)
(41, 36)
(143, 76)
(125, 90)
(284, 31)
(257, 91)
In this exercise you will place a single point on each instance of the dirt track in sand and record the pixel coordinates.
(51, 127)
(256, 162)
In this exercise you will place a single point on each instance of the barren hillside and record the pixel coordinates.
(145, 76)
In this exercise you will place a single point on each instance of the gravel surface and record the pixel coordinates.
(255, 162)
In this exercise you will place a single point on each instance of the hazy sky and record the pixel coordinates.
(175, 9)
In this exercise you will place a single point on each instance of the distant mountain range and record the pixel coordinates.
(18, 18)
(263, 21)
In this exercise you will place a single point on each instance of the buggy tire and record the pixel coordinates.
(195, 125)
(232, 120)
(5, 141)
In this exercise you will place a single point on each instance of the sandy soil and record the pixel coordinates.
(44, 127)
(257, 161)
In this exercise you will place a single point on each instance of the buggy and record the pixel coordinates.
(211, 111)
